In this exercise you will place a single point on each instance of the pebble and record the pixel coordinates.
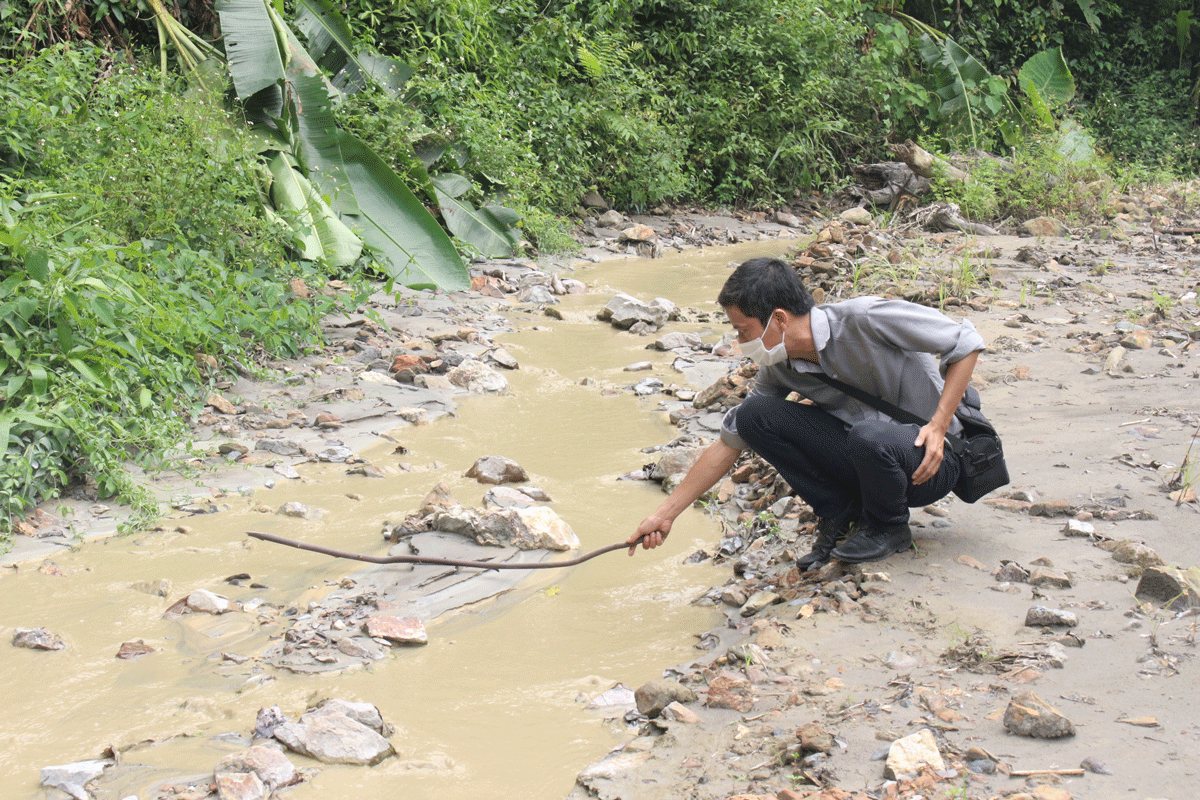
(37, 639)
(1029, 715)
(1040, 615)
(653, 697)
(907, 755)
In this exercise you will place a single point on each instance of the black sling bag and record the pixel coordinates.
(983, 467)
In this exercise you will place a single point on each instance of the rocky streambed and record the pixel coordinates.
(1048, 630)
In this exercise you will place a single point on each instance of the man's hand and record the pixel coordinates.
(651, 532)
(933, 438)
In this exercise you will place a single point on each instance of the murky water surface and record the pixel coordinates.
(491, 707)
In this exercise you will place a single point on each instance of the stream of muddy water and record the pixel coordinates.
(494, 706)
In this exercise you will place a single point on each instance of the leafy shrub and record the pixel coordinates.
(117, 269)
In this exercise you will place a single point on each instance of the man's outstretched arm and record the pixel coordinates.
(712, 465)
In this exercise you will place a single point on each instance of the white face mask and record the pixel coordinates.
(760, 354)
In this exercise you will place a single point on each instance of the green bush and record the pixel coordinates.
(119, 266)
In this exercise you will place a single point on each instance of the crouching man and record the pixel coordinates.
(859, 469)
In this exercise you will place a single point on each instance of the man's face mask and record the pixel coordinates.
(761, 355)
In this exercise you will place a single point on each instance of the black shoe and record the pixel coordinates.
(829, 533)
(875, 544)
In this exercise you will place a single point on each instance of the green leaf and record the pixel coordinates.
(961, 72)
(1089, 14)
(477, 227)
(252, 45)
(1048, 73)
(83, 369)
(37, 264)
(326, 236)
(1074, 143)
(331, 43)
(39, 378)
(145, 397)
(373, 200)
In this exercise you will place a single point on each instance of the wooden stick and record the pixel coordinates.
(1025, 773)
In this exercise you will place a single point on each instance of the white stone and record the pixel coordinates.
(906, 755)
(207, 602)
(476, 376)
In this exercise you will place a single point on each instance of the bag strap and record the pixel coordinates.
(891, 409)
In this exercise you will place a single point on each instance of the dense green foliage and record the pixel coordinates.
(118, 269)
(1135, 62)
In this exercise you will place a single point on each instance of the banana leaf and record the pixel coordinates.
(325, 237)
(374, 201)
(478, 227)
(254, 47)
(331, 44)
(963, 75)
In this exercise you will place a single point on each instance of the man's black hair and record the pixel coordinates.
(761, 285)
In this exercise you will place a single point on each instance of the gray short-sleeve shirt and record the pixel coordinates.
(885, 347)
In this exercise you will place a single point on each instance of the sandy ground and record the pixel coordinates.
(928, 640)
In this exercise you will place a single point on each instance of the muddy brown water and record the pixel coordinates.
(495, 704)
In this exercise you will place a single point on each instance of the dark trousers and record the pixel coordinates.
(831, 467)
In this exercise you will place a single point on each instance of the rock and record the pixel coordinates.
(539, 528)
(1040, 615)
(677, 712)
(477, 377)
(334, 739)
(814, 739)
(758, 601)
(906, 756)
(240, 786)
(267, 720)
(1029, 715)
(36, 639)
(1050, 508)
(1078, 527)
(675, 461)
(364, 713)
(222, 405)
(439, 499)
(624, 311)
(280, 447)
(787, 220)
(296, 509)
(133, 649)
(1137, 554)
(1095, 765)
(648, 386)
(1112, 364)
(73, 778)
(400, 630)
(158, 588)
(677, 340)
(730, 691)
(639, 366)
(206, 602)
(592, 199)
(497, 470)
(1045, 576)
(1043, 226)
(857, 216)
(653, 697)
(334, 455)
(638, 233)
(1012, 572)
(1175, 588)
(611, 219)
(267, 762)
(506, 497)
(538, 295)
(1138, 340)
(504, 358)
